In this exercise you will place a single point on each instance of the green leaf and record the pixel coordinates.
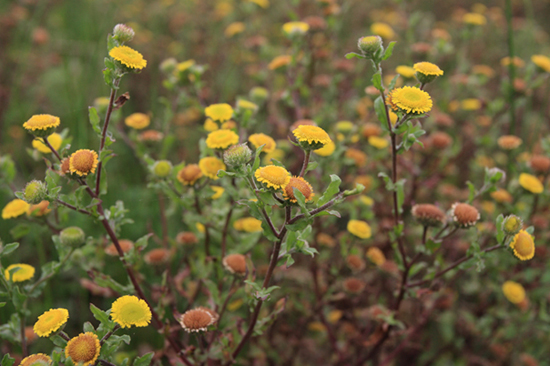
(377, 81)
(299, 225)
(8, 248)
(500, 231)
(142, 242)
(20, 231)
(380, 110)
(88, 327)
(144, 360)
(7, 360)
(18, 297)
(256, 164)
(101, 316)
(472, 189)
(300, 198)
(351, 55)
(94, 120)
(289, 260)
(332, 189)
(389, 51)
(392, 82)
(400, 188)
(432, 245)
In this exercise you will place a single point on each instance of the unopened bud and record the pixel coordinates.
(237, 155)
(369, 45)
(162, 168)
(123, 33)
(35, 192)
(512, 225)
(72, 236)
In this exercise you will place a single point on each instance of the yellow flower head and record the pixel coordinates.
(518, 62)
(295, 28)
(378, 142)
(277, 154)
(513, 291)
(14, 208)
(311, 137)
(279, 61)
(248, 224)
(301, 185)
(376, 256)
(218, 191)
(200, 227)
(189, 174)
(530, 183)
(326, 150)
(210, 125)
(474, 19)
(272, 176)
(185, 65)
(128, 57)
(501, 196)
(523, 245)
(483, 70)
(83, 349)
(24, 272)
(54, 139)
(263, 3)
(137, 121)
(50, 322)
(83, 162)
(41, 124)
(405, 71)
(210, 166)
(542, 62)
(219, 112)
(427, 68)
(470, 104)
(344, 126)
(38, 359)
(129, 310)
(221, 139)
(359, 228)
(509, 142)
(410, 100)
(383, 30)
(259, 139)
(234, 28)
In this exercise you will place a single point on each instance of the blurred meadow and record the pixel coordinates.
(337, 302)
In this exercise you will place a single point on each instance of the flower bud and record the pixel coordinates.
(369, 45)
(169, 65)
(258, 94)
(237, 155)
(35, 192)
(122, 33)
(512, 225)
(72, 236)
(495, 175)
(162, 168)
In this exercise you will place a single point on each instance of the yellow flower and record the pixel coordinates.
(200, 227)
(509, 142)
(185, 65)
(219, 112)
(210, 166)
(523, 245)
(405, 71)
(83, 162)
(54, 139)
(137, 121)
(38, 359)
(483, 70)
(344, 126)
(273, 176)
(513, 291)
(14, 208)
(542, 62)
(41, 124)
(50, 322)
(24, 272)
(301, 185)
(129, 57)
(248, 224)
(366, 200)
(221, 139)
(410, 99)
(210, 125)
(218, 191)
(263, 3)
(427, 68)
(530, 183)
(311, 136)
(277, 154)
(518, 62)
(378, 142)
(129, 310)
(292, 28)
(359, 228)
(83, 349)
(383, 30)
(326, 150)
(501, 195)
(474, 19)
(470, 104)
(279, 61)
(259, 139)
(376, 256)
(246, 104)
(334, 316)
(234, 28)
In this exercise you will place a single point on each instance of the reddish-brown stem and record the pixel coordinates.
(63, 203)
(452, 266)
(23, 336)
(109, 334)
(306, 162)
(224, 232)
(104, 134)
(54, 151)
